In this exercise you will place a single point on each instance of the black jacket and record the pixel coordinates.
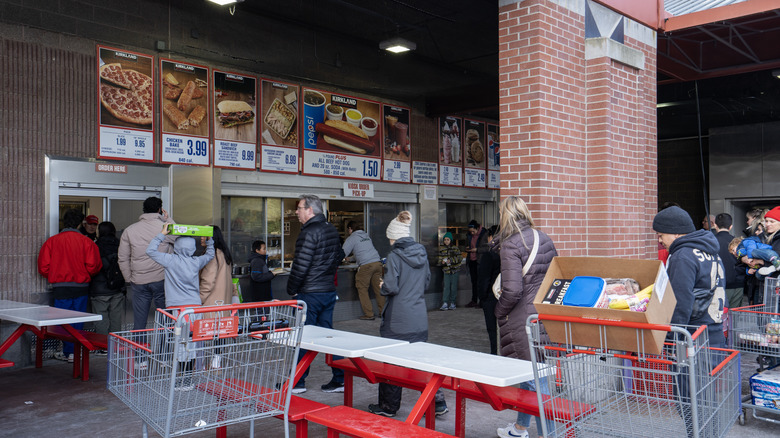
(489, 268)
(107, 245)
(260, 279)
(318, 254)
(735, 277)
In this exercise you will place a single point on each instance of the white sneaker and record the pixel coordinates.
(766, 270)
(70, 358)
(444, 307)
(61, 356)
(510, 431)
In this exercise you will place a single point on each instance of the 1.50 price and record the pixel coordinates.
(370, 169)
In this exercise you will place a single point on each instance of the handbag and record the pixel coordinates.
(497, 284)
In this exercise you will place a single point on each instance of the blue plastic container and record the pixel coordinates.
(584, 291)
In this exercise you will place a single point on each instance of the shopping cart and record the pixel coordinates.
(756, 329)
(690, 389)
(202, 368)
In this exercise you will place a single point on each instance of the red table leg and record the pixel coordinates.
(425, 400)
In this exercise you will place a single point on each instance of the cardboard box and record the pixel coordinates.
(646, 272)
(191, 230)
(765, 388)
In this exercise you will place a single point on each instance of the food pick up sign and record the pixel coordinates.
(358, 190)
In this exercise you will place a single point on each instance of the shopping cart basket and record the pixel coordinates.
(201, 368)
(756, 329)
(689, 389)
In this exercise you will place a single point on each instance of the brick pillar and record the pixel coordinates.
(578, 132)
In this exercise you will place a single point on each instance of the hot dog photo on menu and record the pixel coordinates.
(341, 124)
(184, 91)
(235, 107)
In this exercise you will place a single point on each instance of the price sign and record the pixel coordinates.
(425, 172)
(181, 149)
(397, 171)
(475, 178)
(278, 159)
(234, 154)
(126, 144)
(494, 179)
(340, 165)
(450, 176)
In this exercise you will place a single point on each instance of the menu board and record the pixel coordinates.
(125, 95)
(342, 136)
(450, 151)
(397, 146)
(473, 144)
(493, 164)
(185, 111)
(235, 131)
(279, 128)
(425, 172)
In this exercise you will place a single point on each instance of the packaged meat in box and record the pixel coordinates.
(765, 388)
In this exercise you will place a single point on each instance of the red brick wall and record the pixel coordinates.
(578, 139)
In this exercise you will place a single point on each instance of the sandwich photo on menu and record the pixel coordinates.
(234, 112)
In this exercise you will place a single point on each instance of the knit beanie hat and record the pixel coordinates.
(773, 214)
(400, 226)
(673, 220)
(447, 235)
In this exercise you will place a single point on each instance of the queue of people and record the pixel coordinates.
(709, 270)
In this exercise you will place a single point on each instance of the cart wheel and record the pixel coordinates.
(742, 418)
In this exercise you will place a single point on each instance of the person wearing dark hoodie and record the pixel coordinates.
(182, 287)
(107, 300)
(405, 316)
(695, 270)
(259, 274)
(698, 280)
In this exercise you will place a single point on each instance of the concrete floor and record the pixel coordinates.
(48, 402)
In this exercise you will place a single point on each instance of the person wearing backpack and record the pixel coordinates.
(107, 289)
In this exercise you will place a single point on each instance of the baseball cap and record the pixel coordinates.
(92, 219)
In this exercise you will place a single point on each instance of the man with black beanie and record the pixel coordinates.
(695, 272)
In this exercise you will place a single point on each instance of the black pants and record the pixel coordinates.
(489, 308)
(473, 274)
(390, 397)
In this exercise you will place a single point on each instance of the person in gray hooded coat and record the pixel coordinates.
(182, 283)
(405, 316)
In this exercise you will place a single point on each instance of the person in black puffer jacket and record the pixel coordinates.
(107, 301)
(318, 254)
(489, 268)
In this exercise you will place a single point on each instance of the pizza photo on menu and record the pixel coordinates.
(125, 96)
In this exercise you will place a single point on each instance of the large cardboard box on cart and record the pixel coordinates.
(646, 272)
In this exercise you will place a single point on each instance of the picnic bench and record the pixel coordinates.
(83, 341)
(356, 423)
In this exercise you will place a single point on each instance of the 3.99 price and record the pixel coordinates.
(199, 148)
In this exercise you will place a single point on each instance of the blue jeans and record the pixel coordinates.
(78, 304)
(525, 419)
(143, 294)
(319, 312)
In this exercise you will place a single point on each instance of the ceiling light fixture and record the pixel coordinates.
(225, 2)
(397, 45)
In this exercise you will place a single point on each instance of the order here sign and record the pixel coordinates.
(358, 190)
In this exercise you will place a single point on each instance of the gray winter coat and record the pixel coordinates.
(405, 316)
(182, 282)
(518, 292)
(360, 244)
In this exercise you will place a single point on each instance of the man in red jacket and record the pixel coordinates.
(69, 260)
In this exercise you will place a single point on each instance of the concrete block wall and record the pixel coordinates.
(578, 136)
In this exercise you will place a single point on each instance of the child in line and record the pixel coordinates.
(260, 276)
(750, 250)
(450, 258)
(182, 287)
